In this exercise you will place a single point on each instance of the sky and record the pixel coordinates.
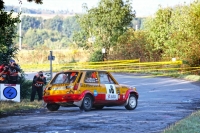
(142, 7)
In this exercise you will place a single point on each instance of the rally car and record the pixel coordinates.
(88, 89)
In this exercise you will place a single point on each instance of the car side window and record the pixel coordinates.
(105, 78)
(91, 77)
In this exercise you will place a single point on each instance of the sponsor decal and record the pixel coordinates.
(9, 84)
(39, 84)
(89, 85)
(111, 92)
(95, 93)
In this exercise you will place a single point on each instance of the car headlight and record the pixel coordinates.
(133, 88)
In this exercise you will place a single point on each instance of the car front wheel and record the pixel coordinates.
(87, 103)
(53, 107)
(132, 102)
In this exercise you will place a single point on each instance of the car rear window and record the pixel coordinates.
(66, 77)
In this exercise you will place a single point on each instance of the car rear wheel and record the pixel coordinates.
(53, 107)
(132, 102)
(87, 103)
(99, 107)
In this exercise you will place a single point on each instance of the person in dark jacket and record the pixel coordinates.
(38, 82)
(14, 69)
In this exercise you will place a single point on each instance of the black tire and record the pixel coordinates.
(132, 102)
(53, 107)
(87, 103)
(98, 107)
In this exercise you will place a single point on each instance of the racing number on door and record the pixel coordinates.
(111, 92)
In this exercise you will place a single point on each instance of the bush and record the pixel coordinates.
(25, 86)
(25, 89)
(96, 56)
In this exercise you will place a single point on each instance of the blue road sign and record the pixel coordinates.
(10, 92)
(51, 57)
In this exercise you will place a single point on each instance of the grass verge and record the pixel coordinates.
(9, 107)
(187, 125)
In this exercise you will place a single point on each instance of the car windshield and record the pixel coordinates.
(65, 77)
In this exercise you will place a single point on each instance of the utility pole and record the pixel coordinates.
(20, 27)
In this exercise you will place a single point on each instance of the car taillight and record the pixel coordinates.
(75, 87)
(45, 88)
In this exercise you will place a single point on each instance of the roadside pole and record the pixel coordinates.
(51, 57)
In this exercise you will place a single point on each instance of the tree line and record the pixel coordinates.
(53, 33)
(173, 32)
(37, 11)
(57, 32)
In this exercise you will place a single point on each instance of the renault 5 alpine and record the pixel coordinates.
(88, 89)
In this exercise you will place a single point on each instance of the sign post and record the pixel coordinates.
(51, 57)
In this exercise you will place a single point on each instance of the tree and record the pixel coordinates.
(31, 22)
(175, 32)
(103, 25)
(37, 37)
(131, 45)
(7, 32)
(186, 33)
(70, 25)
(55, 23)
(159, 31)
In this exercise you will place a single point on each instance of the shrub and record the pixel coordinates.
(96, 56)
(25, 86)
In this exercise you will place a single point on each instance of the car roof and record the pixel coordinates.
(82, 70)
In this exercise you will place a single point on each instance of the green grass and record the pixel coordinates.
(187, 125)
(10, 106)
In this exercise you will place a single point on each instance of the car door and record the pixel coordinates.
(91, 83)
(109, 87)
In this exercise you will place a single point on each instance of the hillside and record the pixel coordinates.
(46, 16)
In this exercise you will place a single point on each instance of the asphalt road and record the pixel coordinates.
(162, 102)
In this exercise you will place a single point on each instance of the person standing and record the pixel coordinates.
(38, 82)
(14, 69)
(4, 73)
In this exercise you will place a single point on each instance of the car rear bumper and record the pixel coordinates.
(62, 98)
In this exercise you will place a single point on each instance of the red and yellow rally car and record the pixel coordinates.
(88, 89)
